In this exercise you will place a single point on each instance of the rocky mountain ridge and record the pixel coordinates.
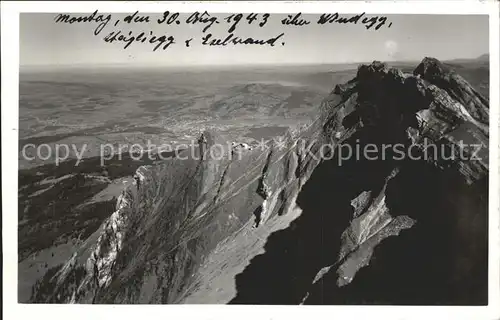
(177, 214)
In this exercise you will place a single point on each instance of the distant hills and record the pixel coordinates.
(484, 57)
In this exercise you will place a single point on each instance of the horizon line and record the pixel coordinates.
(125, 65)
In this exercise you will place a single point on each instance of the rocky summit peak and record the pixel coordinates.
(430, 67)
(371, 70)
(431, 85)
(445, 78)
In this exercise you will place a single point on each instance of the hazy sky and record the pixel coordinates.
(411, 37)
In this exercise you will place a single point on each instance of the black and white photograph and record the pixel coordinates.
(254, 158)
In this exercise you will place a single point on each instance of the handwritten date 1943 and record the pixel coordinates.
(234, 19)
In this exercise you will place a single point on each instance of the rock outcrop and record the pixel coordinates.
(429, 188)
(440, 75)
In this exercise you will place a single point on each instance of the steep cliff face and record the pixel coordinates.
(426, 213)
(419, 220)
(175, 214)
